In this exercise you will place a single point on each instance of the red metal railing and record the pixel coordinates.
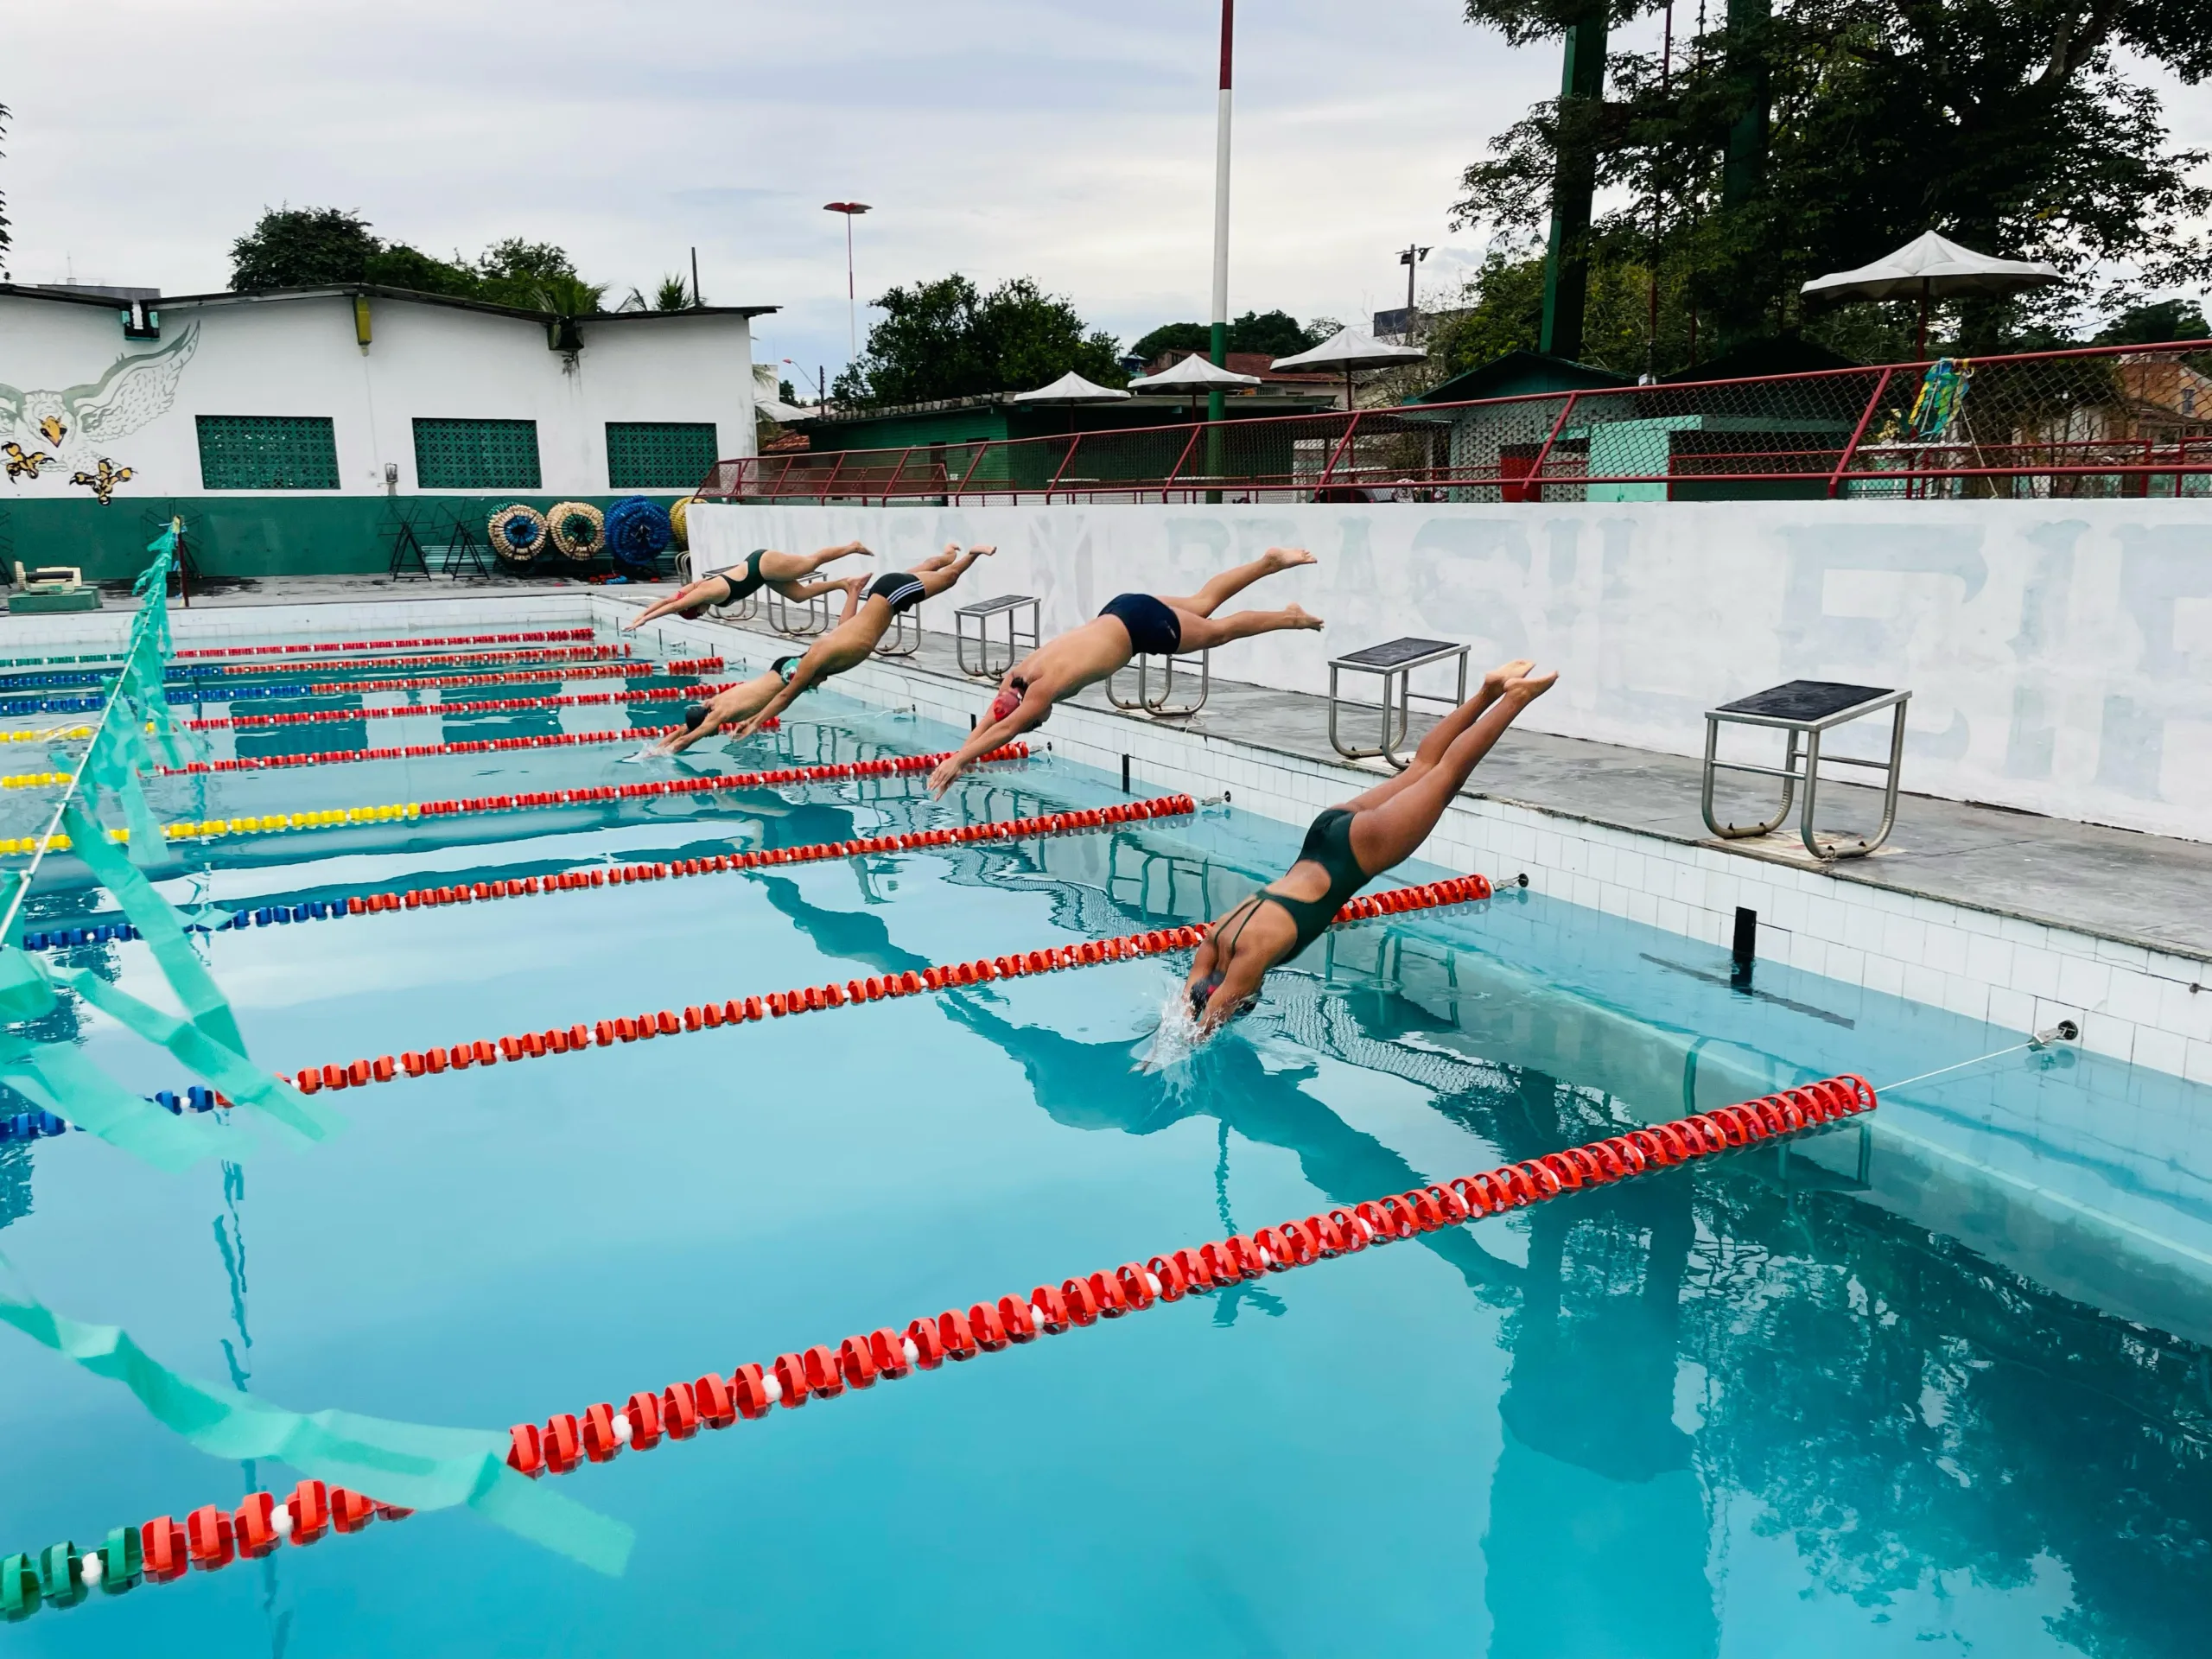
(2105, 421)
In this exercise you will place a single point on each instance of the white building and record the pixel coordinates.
(307, 408)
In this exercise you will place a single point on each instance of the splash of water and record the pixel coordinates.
(1176, 1040)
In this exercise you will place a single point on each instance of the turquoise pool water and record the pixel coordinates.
(1764, 1405)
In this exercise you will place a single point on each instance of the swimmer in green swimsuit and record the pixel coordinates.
(762, 568)
(741, 702)
(1349, 846)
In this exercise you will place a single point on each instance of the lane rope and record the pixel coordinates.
(424, 751)
(535, 637)
(598, 875)
(369, 668)
(210, 1538)
(493, 705)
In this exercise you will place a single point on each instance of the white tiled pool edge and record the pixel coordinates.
(2132, 1003)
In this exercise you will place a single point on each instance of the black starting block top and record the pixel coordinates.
(1408, 652)
(1810, 702)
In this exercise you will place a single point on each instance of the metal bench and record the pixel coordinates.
(1163, 707)
(1010, 606)
(1394, 663)
(1807, 710)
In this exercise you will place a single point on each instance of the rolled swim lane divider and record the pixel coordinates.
(540, 636)
(162, 1550)
(600, 1433)
(812, 999)
(486, 706)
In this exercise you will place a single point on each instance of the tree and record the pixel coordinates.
(674, 294)
(519, 273)
(948, 339)
(2013, 125)
(1276, 333)
(2146, 324)
(401, 266)
(302, 247)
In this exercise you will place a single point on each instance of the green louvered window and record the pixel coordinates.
(267, 451)
(659, 454)
(476, 455)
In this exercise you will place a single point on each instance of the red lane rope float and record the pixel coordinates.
(210, 1538)
(630, 670)
(538, 636)
(601, 1432)
(162, 1550)
(601, 876)
(811, 999)
(552, 654)
(494, 705)
(423, 751)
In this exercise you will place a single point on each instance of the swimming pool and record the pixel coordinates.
(1750, 1408)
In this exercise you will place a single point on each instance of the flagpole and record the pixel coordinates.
(1220, 319)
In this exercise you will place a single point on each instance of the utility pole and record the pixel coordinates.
(696, 300)
(1411, 258)
(1575, 182)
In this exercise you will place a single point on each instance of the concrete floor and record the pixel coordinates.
(2140, 889)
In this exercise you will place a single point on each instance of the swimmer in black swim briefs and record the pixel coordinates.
(1349, 846)
(762, 568)
(740, 702)
(879, 605)
(1131, 625)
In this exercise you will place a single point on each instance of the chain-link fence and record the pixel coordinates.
(2117, 422)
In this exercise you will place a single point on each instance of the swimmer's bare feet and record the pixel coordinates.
(1299, 617)
(1282, 558)
(1495, 680)
(1526, 687)
(983, 550)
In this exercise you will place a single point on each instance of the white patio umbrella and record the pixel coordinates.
(1930, 268)
(1071, 388)
(1196, 374)
(1351, 349)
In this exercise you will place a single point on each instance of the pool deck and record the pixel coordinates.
(2136, 889)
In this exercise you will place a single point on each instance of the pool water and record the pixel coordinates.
(1751, 1408)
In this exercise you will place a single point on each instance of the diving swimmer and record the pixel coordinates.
(762, 568)
(1349, 846)
(1131, 625)
(703, 720)
(880, 602)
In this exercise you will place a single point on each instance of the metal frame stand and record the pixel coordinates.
(1159, 707)
(408, 559)
(1394, 661)
(1008, 605)
(906, 636)
(463, 545)
(1806, 711)
(797, 619)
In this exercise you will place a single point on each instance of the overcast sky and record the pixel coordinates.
(1069, 143)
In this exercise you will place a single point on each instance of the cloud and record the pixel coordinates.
(1070, 143)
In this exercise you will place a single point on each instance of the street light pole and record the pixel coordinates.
(1411, 260)
(850, 210)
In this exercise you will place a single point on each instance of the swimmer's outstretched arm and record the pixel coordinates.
(733, 704)
(1029, 713)
(682, 599)
(808, 668)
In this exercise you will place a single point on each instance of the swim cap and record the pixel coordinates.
(693, 714)
(1009, 700)
(782, 668)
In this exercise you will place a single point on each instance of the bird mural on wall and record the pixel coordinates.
(137, 388)
(102, 483)
(22, 462)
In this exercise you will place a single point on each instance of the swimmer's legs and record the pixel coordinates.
(1230, 583)
(781, 568)
(1392, 830)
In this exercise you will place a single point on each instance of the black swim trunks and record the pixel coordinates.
(1154, 629)
(901, 589)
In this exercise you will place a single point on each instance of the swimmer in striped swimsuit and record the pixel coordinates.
(881, 604)
(1349, 846)
(762, 568)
